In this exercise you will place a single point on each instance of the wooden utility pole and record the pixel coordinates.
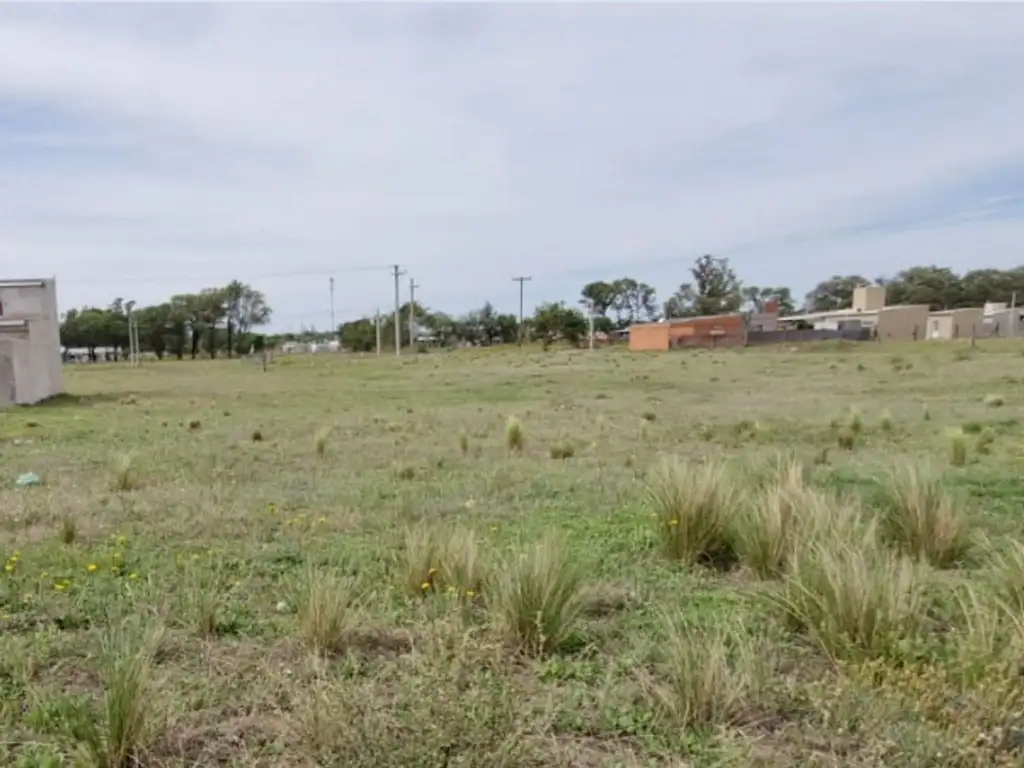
(521, 280)
(397, 272)
(412, 310)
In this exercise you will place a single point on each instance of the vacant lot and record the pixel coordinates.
(363, 562)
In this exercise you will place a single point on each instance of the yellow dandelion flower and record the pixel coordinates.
(60, 587)
(432, 571)
(673, 523)
(133, 576)
(9, 568)
(92, 567)
(470, 593)
(425, 586)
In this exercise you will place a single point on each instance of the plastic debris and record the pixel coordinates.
(29, 478)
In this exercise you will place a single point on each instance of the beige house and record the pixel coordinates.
(905, 322)
(965, 323)
(30, 364)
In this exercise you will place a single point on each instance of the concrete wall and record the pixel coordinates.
(648, 337)
(956, 324)
(1000, 323)
(903, 323)
(33, 351)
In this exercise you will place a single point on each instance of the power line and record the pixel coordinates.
(121, 280)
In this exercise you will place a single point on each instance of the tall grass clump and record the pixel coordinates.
(693, 504)
(514, 435)
(852, 597)
(462, 564)
(463, 443)
(68, 529)
(766, 529)
(327, 611)
(994, 401)
(320, 440)
(420, 559)
(118, 737)
(957, 448)
(1005, 574)
(711, 677)
(124, 474)
(536, 597)
(885, 422)
(921, 518)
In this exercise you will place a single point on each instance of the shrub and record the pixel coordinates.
(846, 439)
(852, 597)
(257, 436)
(514, 435)
(537, 597)
(693, 504)
(985, 440)
(922, 519)
(712, 677)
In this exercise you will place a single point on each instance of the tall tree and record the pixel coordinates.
(598, 297)
(938, 287)
(758, 298)
(834, 293)
(716, 286)
(634, 302)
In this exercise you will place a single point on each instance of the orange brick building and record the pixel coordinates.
(702, 331)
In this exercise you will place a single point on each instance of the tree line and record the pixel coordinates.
(225, 320)
(212, 321)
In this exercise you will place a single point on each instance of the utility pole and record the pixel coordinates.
(590, 320)
(397, 272)
(412, 310)
(334, 328)
(521, 279)
(376, 324)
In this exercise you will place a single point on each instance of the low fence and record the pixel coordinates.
(796, 336)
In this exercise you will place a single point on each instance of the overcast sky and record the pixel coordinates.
(153, 149)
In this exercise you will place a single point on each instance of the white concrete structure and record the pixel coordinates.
(30, 364)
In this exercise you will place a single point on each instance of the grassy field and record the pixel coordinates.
(516, 558)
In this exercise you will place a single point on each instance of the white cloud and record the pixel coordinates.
(191, 144)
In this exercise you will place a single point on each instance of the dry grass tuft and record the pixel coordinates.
(921, 518)
(536, 597)
(327, 611)
(68, 532)
(712, 677)
(124, 475)
(994, 401)
(118, 737)
(563, 449)
(957, 448)
(514, 435)
(320, 440)
(852, 597)
(693, 504)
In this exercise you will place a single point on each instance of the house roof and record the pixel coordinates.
(688, 320)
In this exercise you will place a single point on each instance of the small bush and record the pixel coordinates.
(257, 436)
(194, 424)
(562, 450)
(846, 439)
(957, 448)
(713, 677)
(994, 401)
(537, 597)
(514, 435)
(124, 475)
(922, 519)
(327, 611)
(693, 504)
(852, 597)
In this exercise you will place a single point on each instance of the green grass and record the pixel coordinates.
(508, 557)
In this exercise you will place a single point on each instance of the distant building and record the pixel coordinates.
(30, 361)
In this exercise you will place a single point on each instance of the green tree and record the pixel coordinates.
(554, 320)
(634, 302)
(834, 293)
(938, 287)
(359, 335)
(758, 298)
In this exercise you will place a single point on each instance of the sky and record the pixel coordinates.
(153, 149)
